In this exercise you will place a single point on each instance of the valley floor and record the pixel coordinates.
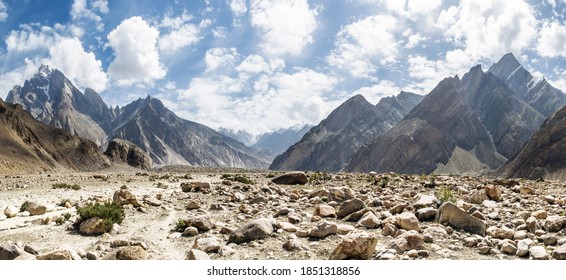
(523, 212)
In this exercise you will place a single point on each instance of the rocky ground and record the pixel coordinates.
(180, 213)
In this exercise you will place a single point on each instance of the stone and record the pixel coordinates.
(538, 253)
(323, 229)
(194, 204)
(340, 194)
(436, 232)
(508, 248)
(197, 255)
(94, 225)
(31, 250)
(202, 223)
(524, 190)
(500, 233)
(344, 229)
(152, 201)
(294, 218)
(369, 220)
(208, 244)
(389, 229)
(127, 152)
(477, 197)
(325, 210)
(237, 197)
(426, 214)
(202, 187)
(35, 208)
(493, 192)
(555, 223)
(291, 178)
(257, 229)
(288, 227)
(426, 201)
(10, 252)
(549, 240)
(550, 199)
(407, 221)
(532, 224)
(355, 245)
(356, 216)
(123, 196)
(559, 252)
(489, 204)
(190, 231)
(217, 207)
(131, 253)
(458, 218)
(521, 234)
(25, 257)
(470, 241)
(11, 211)
(523, 247)
(540, 214)
(350, 206)
(407, 241)
(294, 244)
(60, 254)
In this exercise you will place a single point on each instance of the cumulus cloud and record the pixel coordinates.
(491, 28)
(239, 7)
(286, 27)
(3, 11)
(180, 33)
(377, 91)
(363, 45)
(218, 58)
(28, 39)
(136, 57)
(552, 40)
(85, 9)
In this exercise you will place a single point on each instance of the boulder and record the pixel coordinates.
(294, 244)
(202, 223)
(197, 255)
(10, 252)
(203, 187)
(500, 232)
(35, 208)
(323, 229)
(493, 192)
(207, 243)
(257, 229)
(369, 220)
(409, 240)
(532, 224)
(60, 254)
(426, 201)
(523, 247)
(426, 214)
(554, 223)
(538, 253)
(291, 178)
(407, 221)
(11, 211)
(325, 210)
(123, 151)
(350, 206)
(559, 252)
(123, 196)
(131, 253)
(450, 214)
(355, 245)
(150, 200)
(477, 197)
(94, 225)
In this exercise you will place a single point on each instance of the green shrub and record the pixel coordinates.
(237, 178)
(445, 194)
(109, 212)
(67, 216)
(59, 221)
(66, 186)
(319, 177)
(24, 206)
(181, 226)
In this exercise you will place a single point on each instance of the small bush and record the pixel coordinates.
(67, 216)
(46, 221)
(181, 226)
(66, 186)
(237, 178)
(319, 177)
(59, 221)
(445, 194)
(24, 206)
(109, 212)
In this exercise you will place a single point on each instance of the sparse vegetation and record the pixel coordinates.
(24, 206)
(181, 226)
(59, 221)
(67, 216)
(237, 178)
(445, 194)
(319, 178)
(109, 212)
(66, 186)
(270, 175)
(46, 221)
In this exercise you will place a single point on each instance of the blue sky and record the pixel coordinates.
(260, 65)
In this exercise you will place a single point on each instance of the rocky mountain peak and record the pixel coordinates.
(44, 71)
(505, 66)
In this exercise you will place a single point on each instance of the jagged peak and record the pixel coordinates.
(510, 59)
(44, 71)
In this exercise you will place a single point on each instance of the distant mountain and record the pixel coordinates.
(279, 141)
(467, 126)
(171, 140)
(536, 91)
(28, 145)
(52, 99)
(330, 145)
(240, 135)
(544, 155)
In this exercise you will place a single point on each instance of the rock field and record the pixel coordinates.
(225, 214)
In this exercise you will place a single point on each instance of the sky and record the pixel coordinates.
(261, 65)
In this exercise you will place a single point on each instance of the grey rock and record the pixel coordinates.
(291, 178)
(538, 253)
(35, 208)
(458, 218)
(197, 255)
(11, 211)
(350, 206)
(208, 244)
(523, 247)
(426, 214)
(323, 229)
(559, 252)
(131, 253)
(355, 245)
(127, 152)
(257, 229)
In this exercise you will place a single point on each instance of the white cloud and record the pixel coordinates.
(552, 40)
(375, 92)
(3, 11)
(27, 39)
(17, 76)
(286, 27)
(491, 28)
(80, 66)
(85, 9)
(238, 7)
(137, 59)
(413, 39)
(181, 33)
(218, 58)
(364, 44)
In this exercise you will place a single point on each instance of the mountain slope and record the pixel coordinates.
(544, 155)
(466, 126)
(30, 146)
(172, 140)
(330, 145)
(52, 99)
(279, 141)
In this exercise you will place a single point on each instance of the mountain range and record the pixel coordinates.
(169, 140)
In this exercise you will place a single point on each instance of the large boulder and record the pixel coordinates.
(355, 245)
(407, 221)
(410, 240)
(257, 229)
(555, 223)
(123, 196)
(202, 223)
(35, 208)
(131, 253)
(350, 206)
(325, 210)
(127, 152)
(291, 178)
(458, 218)
(323, 229)
(11, 211)
(94, 225)
(10, 252)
